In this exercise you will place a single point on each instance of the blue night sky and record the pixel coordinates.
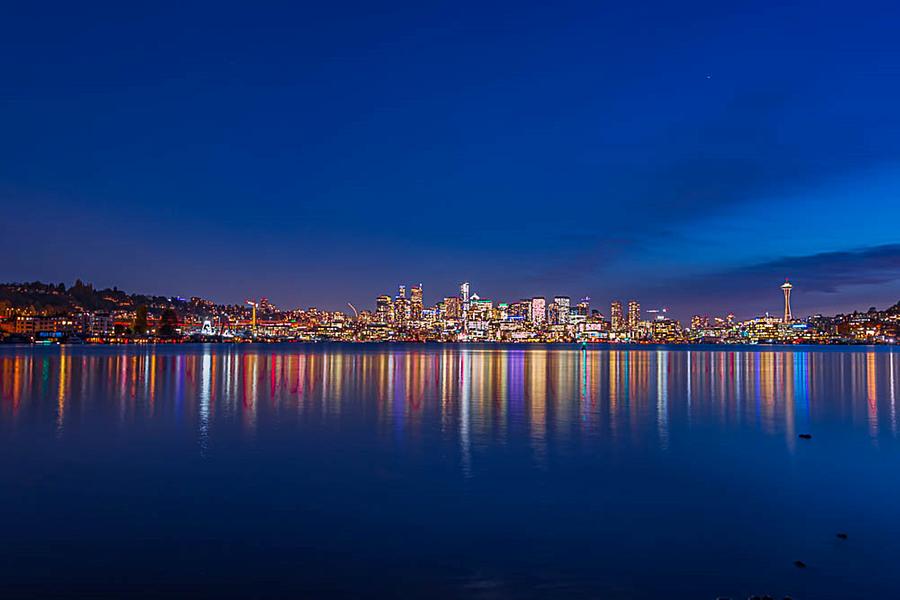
(688, 155)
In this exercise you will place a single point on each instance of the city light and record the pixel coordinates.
(405, 317)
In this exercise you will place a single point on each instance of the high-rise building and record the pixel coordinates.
(503, 311)
(616, 322)
(786, 287)
(553, 313)
(563, 306)
(520, 311)
(464, 298)
(401, 307)
(584, 307)
(452, 307)
(384, 309)
(634, 314)
(538, 309)
(416, 303)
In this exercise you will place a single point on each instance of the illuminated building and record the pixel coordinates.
(538, 309)
(584, 307)
(404, 318)
(617, 323)
(563, 304)
(503, 311)
(786, 288)
(480, 309)
(416, 303)
(634, 315)
(666, 331)
(464, 298)
(553, 313)
(452, 308)
(520, 311)
(402, 309)
(384, 309)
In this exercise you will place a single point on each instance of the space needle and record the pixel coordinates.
(786, 288)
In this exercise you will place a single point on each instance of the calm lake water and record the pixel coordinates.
(449, 471)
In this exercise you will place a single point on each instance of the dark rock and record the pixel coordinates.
(805, 436)
(799, 564)
(841, 535)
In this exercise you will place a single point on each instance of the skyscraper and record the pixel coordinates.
(401, 307)
(553, 313)
(634, 314)
(615, 316)
(584, 307)
(384, 309)
(416, 303)
(464, 298)
(786, 287)
(538, 309)
(563, 306)
(453, 307)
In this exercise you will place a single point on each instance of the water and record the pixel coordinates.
(449, 471)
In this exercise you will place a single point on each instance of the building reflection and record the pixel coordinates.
(467, 397)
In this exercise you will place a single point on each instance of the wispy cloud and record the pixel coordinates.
(751, 288)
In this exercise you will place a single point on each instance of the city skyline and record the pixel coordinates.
(682, 154)
(616, 307)
(53, 313)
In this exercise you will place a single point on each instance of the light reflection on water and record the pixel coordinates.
(477, 392)
(642, 448)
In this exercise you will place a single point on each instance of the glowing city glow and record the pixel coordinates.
(406, 317)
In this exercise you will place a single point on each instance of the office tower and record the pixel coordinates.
(416, 303)
(401, 307)
(553, 313)
(464, 298)
(520, 311)
(786, 288)
(452, 307)
(503, 311)
(563, 305)
(615, 316)
(634, 314)
(584, 307)
(538, 309)
(384, 309)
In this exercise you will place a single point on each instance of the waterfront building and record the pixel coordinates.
(616, 320)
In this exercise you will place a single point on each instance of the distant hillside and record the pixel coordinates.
(56, 298)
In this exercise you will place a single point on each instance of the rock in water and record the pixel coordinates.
(842, 536)
(799, 564)
(805, 436)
